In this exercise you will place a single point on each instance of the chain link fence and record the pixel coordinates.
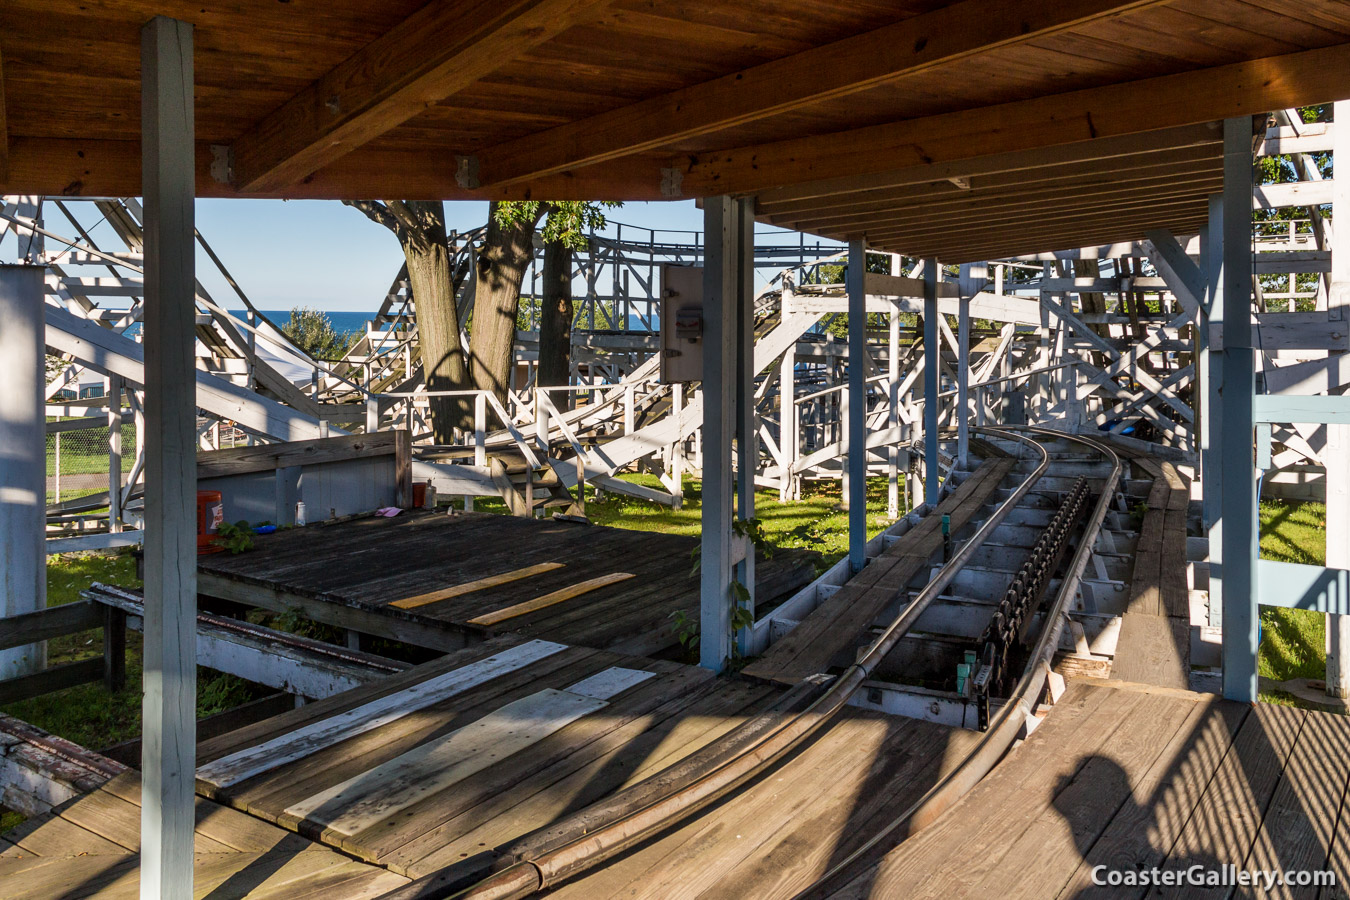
(77, 461)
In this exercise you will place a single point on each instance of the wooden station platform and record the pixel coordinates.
(1130, 777)
(437, 766)
(1155, 633)
(829, 635)
(89, 847)
(443, 581)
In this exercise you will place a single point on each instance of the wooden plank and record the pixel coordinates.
(269, 457)
(359, 803)
(875, 57)
(119, 821)
(610, 683)
(479, 584)
(51, 835)
(1140, 831)
(1153, 650)
(558, 596)
(4, 127)
(436, 51)
(1227, 819)
(1299, 827)
(251, 761)
(44, 624)
(54, 679)
(1085, 802)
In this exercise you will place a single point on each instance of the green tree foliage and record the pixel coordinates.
(568, 220)
(312, 331)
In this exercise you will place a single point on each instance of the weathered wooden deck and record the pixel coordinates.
(1132, 777)
(440, 765)
(90, 847)
(446, 581)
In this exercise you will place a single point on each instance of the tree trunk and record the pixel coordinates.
(501, 267)
(555, 320)
(433, 290)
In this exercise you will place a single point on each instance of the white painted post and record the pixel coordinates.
(787, 417)
(677, 456)
(932, 352)
(720, 285)
(893, 414)
(114, 395)
(855, 441)
(970, 285)
(1336, 456)
(23, 459)
(170, 647)
(747, 434)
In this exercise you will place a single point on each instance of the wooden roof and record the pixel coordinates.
(962, 129)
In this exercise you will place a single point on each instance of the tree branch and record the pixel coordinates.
(376, 211)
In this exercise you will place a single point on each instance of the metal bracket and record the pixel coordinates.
(466, 172)
(672, 183)
(222, 163)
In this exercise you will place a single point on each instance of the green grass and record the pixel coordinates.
(87, 714)
(816, 522)
(1293, 641)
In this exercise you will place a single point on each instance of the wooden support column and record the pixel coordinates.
(787, 417)
(1336, 455)
(971, 284)
(1237, 463)
(855, 458)
(169, 712)
(932, 354)
(716, 569)
(747, 434)
(1211, 371)
(893, 393)
(23, 468)
(114, 394)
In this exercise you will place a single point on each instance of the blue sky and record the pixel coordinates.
(320, 253)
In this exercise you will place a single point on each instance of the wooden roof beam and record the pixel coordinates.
(829, 72)
(438, 50)
(1245, 88)
(1001, 198)
(4, 128)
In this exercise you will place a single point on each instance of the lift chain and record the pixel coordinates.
(1003, 636)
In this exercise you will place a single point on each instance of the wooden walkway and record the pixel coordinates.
(1155, 633)
(1131, 777)
(830, 634)
(439, 766)
(89, 847)
(443, 581)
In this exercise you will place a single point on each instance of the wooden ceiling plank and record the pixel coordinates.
(4, 127)
(1106, 151)
(1250, 87)
(443, 47)
(1002, 197)
(1002, 246)
(941, 37)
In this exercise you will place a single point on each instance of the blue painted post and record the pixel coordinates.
(1211, 413)
(1238, 545)
(855, 466)
(719, 426)
(932, 354)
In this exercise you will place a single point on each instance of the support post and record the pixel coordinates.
(170, 654)
(971, 284)
(1336, 456)
(855, 457)
(747, 436)
(1237, 463)
(720, 284)
(114, 394)
(893, 393)
(1211, 387)
(932, 354)
(23, 463)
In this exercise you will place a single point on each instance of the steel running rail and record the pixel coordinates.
(1008, 723)
(611, 826)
